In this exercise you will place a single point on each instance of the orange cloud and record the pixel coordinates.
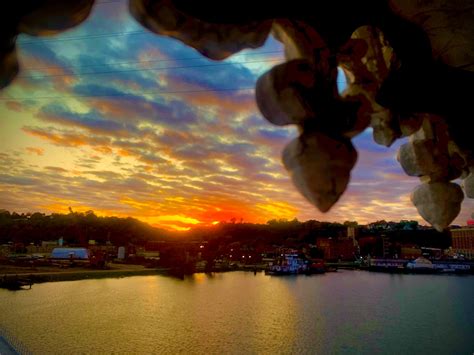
(35, 150)
(63, 140)
(103, 149)
(210, 99)
(60, 78)
(14, 106)
(241, 102)
(124, 153)
(36, 64)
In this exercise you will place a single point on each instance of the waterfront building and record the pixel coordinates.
(386, 246)
(352, 233)
(463, 242)
(5, 250)
(70, 254)
(410, 251)
(369, 245)
(336, 248)
(46, 247)
(432, 253)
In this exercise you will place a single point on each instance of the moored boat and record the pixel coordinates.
(421, 265)
(317, 266)
(387, 265)
(288, 263)
(454, 266)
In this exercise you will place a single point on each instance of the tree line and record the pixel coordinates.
(75, 228)
(80, 227)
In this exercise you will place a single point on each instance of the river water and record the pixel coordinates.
(347, 312)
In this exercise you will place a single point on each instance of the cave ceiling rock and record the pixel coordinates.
(320, 166)
(430, 152)
(368, 58)
(438, 202)
(35, 18)
(283, 93)
(321, 159)
(214, 40)
(468, 184)
(409, 123)
(385, 128)
(448, 24)
(423, 157)
(53, 16)
(432, 156)
(8, 64)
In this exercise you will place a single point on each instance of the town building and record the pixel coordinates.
(70, 254)
(336, 248)
(45, 248)
(410, 251)
(463, 242)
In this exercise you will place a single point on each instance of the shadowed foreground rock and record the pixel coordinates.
(438, 202)
(320, 167)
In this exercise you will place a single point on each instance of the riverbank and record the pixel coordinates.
(51, 274)
(15, 277)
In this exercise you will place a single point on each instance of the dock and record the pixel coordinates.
(16, 282)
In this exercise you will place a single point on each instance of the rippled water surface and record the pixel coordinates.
(243, 313)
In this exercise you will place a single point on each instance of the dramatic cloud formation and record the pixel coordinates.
(112, 118)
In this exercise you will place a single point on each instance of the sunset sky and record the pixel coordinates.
(111, 118)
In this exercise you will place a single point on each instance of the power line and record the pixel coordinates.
(101, 35)
(146, 61)
(120, 94)
(146, 69)
(128, 94)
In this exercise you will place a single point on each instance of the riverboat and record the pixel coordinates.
(421, 265)
(387, 265)
(288, 264)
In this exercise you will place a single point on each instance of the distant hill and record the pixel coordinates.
(78, 228)
(75, 228)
